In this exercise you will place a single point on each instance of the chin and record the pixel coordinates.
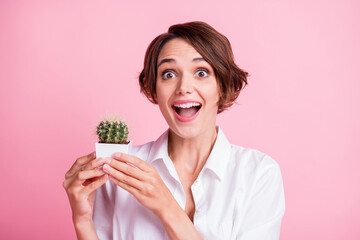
(187, 132)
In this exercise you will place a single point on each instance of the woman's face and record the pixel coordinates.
(186, 88)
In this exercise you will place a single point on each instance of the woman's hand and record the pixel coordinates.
(141, 180)
(144, 183)
(81, 181)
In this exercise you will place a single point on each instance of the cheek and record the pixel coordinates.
(159, 92)
(162, 96)
(213, 94)
(159, 95)
(164, 91)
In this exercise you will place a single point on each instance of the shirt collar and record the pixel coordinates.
(159, 149)
(217, 161)
(220, 155)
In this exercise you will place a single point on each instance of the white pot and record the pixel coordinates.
(108, 149)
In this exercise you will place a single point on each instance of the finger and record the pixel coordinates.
(79, 178)
(95, 184)
(137, 162)
(126, 187)
(127, 169)
(79, 163)
(88, 181)
(97, 162)
(121, 177)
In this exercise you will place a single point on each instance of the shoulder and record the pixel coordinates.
(252, 164)
(251, 159)
(244, 159)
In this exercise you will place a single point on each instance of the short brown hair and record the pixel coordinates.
(214, 47)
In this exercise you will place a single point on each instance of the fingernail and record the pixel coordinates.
(106, 167)
(108, 160)
(117, 154)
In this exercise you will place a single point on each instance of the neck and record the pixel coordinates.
(191, 154)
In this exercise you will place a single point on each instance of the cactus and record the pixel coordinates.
(112, 130)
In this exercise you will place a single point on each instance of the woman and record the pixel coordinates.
(190, 183)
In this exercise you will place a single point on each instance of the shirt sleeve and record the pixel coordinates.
(267, 204)
(103, 211)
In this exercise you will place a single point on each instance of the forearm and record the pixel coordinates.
(85, 230)
(178, 225)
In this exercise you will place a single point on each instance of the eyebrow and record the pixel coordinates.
(165, 60)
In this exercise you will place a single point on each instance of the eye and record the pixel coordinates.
(202, 73)
(167, 75)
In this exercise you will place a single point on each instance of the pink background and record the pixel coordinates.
(63, 65)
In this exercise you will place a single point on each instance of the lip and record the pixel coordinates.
(180, 118)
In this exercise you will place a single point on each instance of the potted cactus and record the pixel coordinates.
(113, 134)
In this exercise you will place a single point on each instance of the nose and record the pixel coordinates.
(185, 85)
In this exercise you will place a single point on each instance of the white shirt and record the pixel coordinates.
(239, 194)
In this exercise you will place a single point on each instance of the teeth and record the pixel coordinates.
(187, 105)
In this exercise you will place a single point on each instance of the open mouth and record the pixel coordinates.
(187, 110)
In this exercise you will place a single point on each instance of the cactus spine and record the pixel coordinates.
(112, 130)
